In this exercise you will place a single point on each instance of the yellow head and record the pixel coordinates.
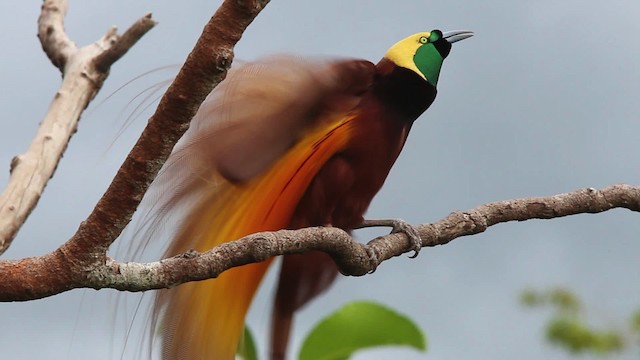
(424, 52)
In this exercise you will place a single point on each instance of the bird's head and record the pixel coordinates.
(423, 53)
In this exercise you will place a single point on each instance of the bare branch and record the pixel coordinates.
(31, 171)
(120, 45)
(57, 272)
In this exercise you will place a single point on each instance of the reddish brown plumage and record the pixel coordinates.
(283, 142)
(341, 192)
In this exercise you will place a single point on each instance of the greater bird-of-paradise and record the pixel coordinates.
(283, 143)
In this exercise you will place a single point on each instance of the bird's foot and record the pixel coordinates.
(398, 225)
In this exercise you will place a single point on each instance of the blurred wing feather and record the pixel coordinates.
(251, 151)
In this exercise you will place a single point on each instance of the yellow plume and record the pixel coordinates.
(205, 319)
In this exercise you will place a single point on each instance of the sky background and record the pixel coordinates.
(543, 100)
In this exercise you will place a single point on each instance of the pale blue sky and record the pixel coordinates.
(543, 100)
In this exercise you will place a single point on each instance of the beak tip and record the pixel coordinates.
(457, 35)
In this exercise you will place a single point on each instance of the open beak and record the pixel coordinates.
(457, 35)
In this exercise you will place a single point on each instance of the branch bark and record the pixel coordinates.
(84, 71)
(54, 273)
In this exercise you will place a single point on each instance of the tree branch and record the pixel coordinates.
(205, 67)
(68, 266)
(54, 273)
(82, 79)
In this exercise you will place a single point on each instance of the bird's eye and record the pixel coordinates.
(435, 35)
(423, 40)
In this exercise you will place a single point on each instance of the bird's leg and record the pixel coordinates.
(397, 225)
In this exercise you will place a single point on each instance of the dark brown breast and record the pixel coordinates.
(343, 189)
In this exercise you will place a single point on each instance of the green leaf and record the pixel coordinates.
(607, 342)
(571, 334)
(357, 326)
(531, 298)
(565, 300)
(247, 347)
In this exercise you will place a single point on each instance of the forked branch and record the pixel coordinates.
(83, 71)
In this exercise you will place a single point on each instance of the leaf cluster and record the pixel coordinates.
(570, 329)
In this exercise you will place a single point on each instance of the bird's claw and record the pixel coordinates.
(399, 225)
(402, 226)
